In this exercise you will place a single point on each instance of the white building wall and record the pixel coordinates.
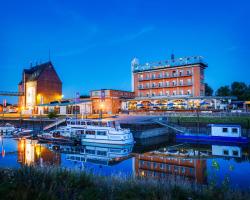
(63, 110)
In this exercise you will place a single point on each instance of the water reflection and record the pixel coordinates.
(195, 162)
(159, 165)
(30, 152)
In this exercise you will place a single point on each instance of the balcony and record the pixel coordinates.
(164, 86)
(164, 77)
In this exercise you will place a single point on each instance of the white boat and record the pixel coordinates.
(99, 131)
(7, 128)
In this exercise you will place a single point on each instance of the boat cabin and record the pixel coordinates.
(98, 123)
(225, 130)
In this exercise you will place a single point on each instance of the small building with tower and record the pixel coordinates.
(40, 84)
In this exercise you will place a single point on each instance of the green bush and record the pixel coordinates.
(52, 115)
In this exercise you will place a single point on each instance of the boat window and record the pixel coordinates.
(89, 123)
(234, 130)
(101, 133)
(101, 153)
(224, 130)
(82, 131)
(90, 132)
(225, 152)
(95, 123)
(90, 151)
(235, 153)
(82, 122)
(104, 124)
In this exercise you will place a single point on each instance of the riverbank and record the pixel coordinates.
(244, 121)
(54, 183)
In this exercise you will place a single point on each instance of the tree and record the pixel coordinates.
(208, 90)
(240, 90)
(223, 91)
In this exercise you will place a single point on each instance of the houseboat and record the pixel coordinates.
(94, 131)
(220, 133)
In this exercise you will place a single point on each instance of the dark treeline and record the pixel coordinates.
(238, 89)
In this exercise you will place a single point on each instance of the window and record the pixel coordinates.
(167, 83)
(153, 84)
(181, 92)
(155, 165)
(153, 76)
(90, 132)
(181, 82)
(181, 72)
(188, 72)
(174, 92)
(160, 93)
(160, 75)
(234, 130)
(147, 85)
(225, 152)
(173, 83)
(153, 94)
(147, 94)
(167, 74)
(101, 133)
(167, 93)
(161, 166)
(188, 92)
(224, 130)
(101, 153)
(90, 151)
(189, 82)
(141, 77)
(235, 153)
(160, 84)
(147, 76)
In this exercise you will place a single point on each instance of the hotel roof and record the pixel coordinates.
(185, 61)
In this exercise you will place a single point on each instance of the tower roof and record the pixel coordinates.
(34, 72)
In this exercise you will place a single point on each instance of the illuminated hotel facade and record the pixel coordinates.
(182, 77)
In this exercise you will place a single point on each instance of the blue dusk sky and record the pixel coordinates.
(93, 42)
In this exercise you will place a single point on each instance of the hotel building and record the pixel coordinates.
(182, 77)
(108, 101)
(40, 85)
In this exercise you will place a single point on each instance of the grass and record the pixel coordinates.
(244, 121)
(29, 183)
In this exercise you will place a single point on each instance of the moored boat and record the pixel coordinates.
(222, 133)
(97, 131)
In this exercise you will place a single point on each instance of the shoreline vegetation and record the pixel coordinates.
(55, 183)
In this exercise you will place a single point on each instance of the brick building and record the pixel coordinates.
(40, 84)
(182, 77)
(108, 101)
